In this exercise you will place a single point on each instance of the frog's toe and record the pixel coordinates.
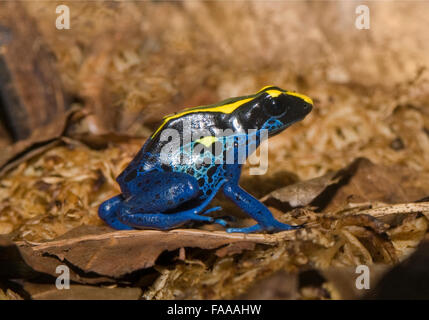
(198, 217)
(221, 222)
(277, 227)
(214, 209)
(297, 227)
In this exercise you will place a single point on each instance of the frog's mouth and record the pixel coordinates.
(284, 127)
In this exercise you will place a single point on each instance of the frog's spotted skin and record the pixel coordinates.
(164, 192)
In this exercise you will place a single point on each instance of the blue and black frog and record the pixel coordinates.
(168, 183)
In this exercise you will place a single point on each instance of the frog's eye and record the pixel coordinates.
(275, 108)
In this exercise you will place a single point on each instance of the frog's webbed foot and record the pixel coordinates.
(218, 221)
(221, 222)
(198, 217)
(108, 211)
(208, 219)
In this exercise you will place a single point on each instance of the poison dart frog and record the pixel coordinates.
(167, 184)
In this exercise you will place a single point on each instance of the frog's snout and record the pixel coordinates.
(303, 109)
(308, 107)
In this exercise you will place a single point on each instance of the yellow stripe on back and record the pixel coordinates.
(232, 106)
(226, 108)
(265, 88)
(301, 96)
(274, 93)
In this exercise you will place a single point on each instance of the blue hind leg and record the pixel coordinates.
(153, 191)
(165, 221)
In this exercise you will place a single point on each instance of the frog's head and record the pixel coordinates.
(275, 109)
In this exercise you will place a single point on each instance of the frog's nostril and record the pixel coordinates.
(308, 107)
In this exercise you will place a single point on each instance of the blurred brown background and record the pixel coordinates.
(85, 99)
(132, 62)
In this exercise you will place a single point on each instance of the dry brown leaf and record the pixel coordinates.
(21, 263)
(114, 254)
(33, 99)
(80, 292)
(30, 84)
(24, 150)
(368, 182)
(360, 182)
(301, 193)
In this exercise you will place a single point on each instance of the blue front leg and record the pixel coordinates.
(255, 209)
